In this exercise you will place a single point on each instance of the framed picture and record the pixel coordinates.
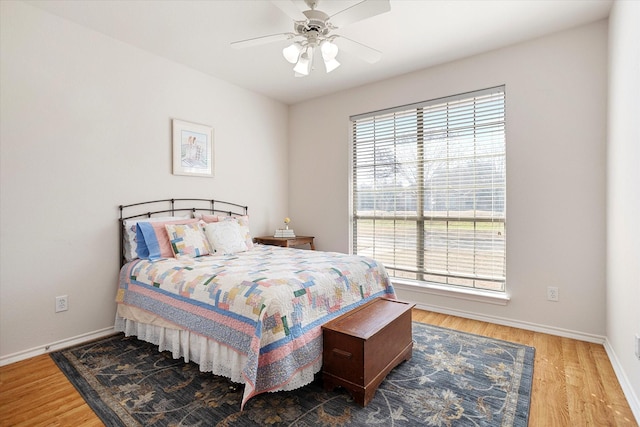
(192, 149)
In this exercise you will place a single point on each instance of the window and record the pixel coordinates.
(428, 191)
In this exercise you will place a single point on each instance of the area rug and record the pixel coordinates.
(453, 379)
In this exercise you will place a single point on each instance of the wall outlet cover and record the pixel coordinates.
(62, 303)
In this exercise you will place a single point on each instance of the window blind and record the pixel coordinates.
(429, 189)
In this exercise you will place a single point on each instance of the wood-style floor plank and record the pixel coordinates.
(573, 383)
(35, 392)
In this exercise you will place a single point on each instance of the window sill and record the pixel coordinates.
(489, 297)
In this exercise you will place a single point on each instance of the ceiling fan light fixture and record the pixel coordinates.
(303, 67)
(314, 28)
(331, 65)
(292, 52)
(329, 50)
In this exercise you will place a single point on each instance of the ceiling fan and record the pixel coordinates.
(313, 29)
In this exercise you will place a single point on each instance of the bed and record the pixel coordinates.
(193, 283)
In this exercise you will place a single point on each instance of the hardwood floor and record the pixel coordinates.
(573, 383)
(35, 392)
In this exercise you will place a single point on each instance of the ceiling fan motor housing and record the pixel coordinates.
(317, 21)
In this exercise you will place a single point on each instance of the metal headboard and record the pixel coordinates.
(171, 207)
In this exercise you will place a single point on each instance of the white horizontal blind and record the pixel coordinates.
(429, 185)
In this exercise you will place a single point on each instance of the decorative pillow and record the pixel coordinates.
(206, 217)
(130, 239)
(243, 222)
(153, 240)
(188, 240)
(225, 237)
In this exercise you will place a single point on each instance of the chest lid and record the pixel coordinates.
(368, 319)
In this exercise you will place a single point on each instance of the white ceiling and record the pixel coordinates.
(415, 34)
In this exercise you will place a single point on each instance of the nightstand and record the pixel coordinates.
(286, 242)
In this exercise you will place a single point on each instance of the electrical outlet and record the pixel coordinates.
(638, 346)
(552, 293)
(62, 303)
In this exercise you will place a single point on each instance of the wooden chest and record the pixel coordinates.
(362, 346)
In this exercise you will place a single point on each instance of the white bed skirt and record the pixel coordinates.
(210, 355)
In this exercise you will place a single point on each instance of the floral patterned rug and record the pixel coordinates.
(453, 379)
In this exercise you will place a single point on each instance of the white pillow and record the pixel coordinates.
(225, 237)
(130, 241)
(243, 222)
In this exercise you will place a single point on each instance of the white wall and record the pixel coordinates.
(86, 126)
(556, 130)
(623, 194)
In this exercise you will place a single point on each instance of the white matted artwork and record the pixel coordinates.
(192, 149)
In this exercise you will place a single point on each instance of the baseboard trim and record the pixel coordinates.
(54, 346)
(625, 384)
(566, 333)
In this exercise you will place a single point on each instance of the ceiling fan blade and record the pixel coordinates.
(290, 9)
(256, 41)
(359, 11)
(365, 52)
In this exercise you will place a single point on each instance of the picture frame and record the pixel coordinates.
(193, 150)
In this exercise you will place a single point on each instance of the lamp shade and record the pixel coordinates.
(331, 65)
(329, 50)
(292, 52)
(305, 61)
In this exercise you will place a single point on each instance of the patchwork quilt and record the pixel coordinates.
(267, 303)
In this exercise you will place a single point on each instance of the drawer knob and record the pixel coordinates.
(342, 353)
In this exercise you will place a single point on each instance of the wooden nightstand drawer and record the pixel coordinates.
(362, 346)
